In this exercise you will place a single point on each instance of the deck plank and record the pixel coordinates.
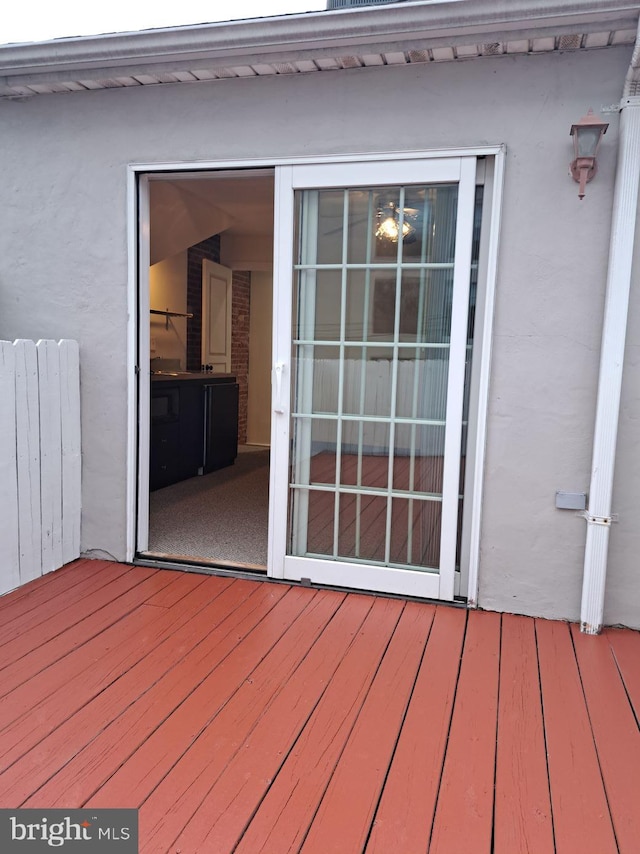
(283, 818)
(28, 639)
(41, 589)
(134, 781)
(68, 757)
(626, 650)
(464, 810)
(616, 735)
(134, 591)
(37, 707)
(244, 746)
(343, 820)
(117, 742)
(523, 823)
(581, 816)
(405, 814)
(38, 625)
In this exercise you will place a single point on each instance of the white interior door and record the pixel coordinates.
(371, 298)
(216, 316)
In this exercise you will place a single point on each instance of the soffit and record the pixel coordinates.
(403, 34)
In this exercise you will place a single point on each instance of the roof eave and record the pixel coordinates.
(362, 26)
(292, 38)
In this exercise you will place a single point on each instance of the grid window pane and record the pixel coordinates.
(415, 532)
(362, 527)
(372, 307)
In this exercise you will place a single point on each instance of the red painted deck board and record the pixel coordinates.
(344, 818)
(42, 589)
(30, 654)
(43, 623)
(405, 814)
(581, 817)
(287, 810)
(134, 782)
(522, 802)
(40, 705)
(626, 651)
(65, 759)
(260, 718)
(227, 736)
(224, 813)
(464, 809)
(616, 734)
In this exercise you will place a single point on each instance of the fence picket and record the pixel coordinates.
(9, 547)
(28, 460)
(70, 427)
(50, 454)
(40, 462)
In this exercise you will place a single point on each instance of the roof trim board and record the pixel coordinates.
(403, 33)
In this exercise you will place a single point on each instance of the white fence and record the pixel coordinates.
(40, 496)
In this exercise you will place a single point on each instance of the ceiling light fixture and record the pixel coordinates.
(388, 228)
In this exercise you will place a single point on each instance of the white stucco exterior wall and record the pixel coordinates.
(63, 266)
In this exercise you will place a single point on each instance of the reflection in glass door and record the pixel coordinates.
(379, 328)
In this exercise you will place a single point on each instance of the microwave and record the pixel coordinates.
(165, 405)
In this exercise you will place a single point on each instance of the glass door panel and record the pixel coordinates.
(379, 319)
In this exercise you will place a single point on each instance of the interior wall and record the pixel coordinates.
(259, 402)
(167, 284)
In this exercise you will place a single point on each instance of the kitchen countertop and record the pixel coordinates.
(186, 376)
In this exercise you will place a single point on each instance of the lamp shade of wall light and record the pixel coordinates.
(587, 134)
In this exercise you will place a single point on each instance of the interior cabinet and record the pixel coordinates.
(220, 425)
(194, 427)
(165, 455)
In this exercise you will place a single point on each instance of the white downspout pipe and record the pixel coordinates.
(614, 329)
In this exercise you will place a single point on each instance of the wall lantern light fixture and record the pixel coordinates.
(586, 134)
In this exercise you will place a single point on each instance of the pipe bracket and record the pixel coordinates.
(598, 520)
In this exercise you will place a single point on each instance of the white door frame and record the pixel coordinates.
(138, 376)
(461, 171)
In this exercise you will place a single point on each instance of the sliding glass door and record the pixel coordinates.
(372, 298)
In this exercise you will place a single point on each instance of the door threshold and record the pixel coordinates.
(187, 562)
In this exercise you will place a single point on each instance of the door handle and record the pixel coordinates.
(278, 371)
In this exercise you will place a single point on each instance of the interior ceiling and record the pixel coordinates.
(184, 211)
(247, 200)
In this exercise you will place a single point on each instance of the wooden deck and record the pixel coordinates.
(254, 717)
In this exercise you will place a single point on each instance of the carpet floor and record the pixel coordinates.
(222, 516)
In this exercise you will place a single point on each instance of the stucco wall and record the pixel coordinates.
(63, 264)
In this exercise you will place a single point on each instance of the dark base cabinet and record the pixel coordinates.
(194, 427)
(164, 465)
(220, 426)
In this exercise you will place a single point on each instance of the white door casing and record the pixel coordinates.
(138, 177)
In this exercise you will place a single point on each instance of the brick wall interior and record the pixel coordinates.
(209, 249)
(241, 283)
